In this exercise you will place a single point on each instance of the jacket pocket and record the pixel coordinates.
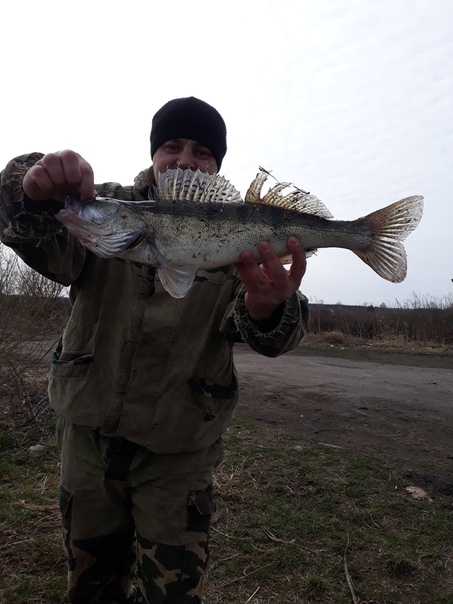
(71, 364)
(209, 397)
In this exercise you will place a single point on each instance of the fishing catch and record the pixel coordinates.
(199, 221)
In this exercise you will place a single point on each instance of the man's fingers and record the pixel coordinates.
(87, 190)
(52, 165)
(37, 183)
(274, 268)
(71, 163)
(267, 283)
(271, 273)
(58, 174)
(299, 264)
(250, 272)
(78, 174)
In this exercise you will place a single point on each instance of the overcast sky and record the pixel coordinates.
(349, 99)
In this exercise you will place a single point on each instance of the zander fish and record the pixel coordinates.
(199, 221)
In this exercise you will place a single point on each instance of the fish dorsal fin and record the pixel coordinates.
(296, 200)
(253, 194)
(195, 186)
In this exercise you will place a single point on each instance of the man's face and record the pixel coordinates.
(183, 153)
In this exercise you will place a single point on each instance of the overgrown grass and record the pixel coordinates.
(295, 522)
(390, 343)
(31, 560)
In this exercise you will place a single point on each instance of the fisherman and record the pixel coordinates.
(144, 384)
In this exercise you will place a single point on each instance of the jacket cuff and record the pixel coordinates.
(267, 331)
(20, 218)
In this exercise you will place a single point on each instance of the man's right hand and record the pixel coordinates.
(59, 174)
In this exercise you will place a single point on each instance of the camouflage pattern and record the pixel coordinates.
(129, 367)
(152, 514)
(172, 574)
(145, 386)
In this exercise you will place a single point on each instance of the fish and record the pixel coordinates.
(199, 221)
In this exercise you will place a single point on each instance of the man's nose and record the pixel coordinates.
(187, 159)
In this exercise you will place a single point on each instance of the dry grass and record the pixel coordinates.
(391, 343)
(295, 522)
(298, 522)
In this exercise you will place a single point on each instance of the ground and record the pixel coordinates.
(398, 406)
(315, 516)
(393, 403)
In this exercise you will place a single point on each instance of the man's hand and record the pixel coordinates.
(59, 174)
(269, 284)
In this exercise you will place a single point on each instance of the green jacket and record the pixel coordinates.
(133, 362)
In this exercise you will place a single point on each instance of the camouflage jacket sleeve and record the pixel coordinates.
(271, 340)
(23, 220)
(31, 229)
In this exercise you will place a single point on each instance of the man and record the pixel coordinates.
(143, 384)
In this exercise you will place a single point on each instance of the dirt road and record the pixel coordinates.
(396, 406)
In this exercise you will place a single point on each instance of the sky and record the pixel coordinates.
(349, 99)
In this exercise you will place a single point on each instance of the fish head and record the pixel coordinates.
(96, 212)
(103, 225)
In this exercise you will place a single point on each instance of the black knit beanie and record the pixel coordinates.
(190, 118)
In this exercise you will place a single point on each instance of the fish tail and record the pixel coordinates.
(389, 227)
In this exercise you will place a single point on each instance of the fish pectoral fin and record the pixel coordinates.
(176, 280)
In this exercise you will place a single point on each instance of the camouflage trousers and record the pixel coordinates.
(127, 511)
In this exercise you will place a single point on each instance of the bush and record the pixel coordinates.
(427, 321)
(32, 313)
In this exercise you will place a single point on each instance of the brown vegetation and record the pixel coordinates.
(299, 519)
(423, 321)
(31, 316)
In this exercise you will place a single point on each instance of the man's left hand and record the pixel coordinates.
(268, 284)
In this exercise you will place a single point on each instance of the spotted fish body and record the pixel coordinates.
(199, 221)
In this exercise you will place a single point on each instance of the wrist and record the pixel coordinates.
(267, 320)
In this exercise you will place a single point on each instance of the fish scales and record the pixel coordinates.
(210, 226)
(199, 221)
